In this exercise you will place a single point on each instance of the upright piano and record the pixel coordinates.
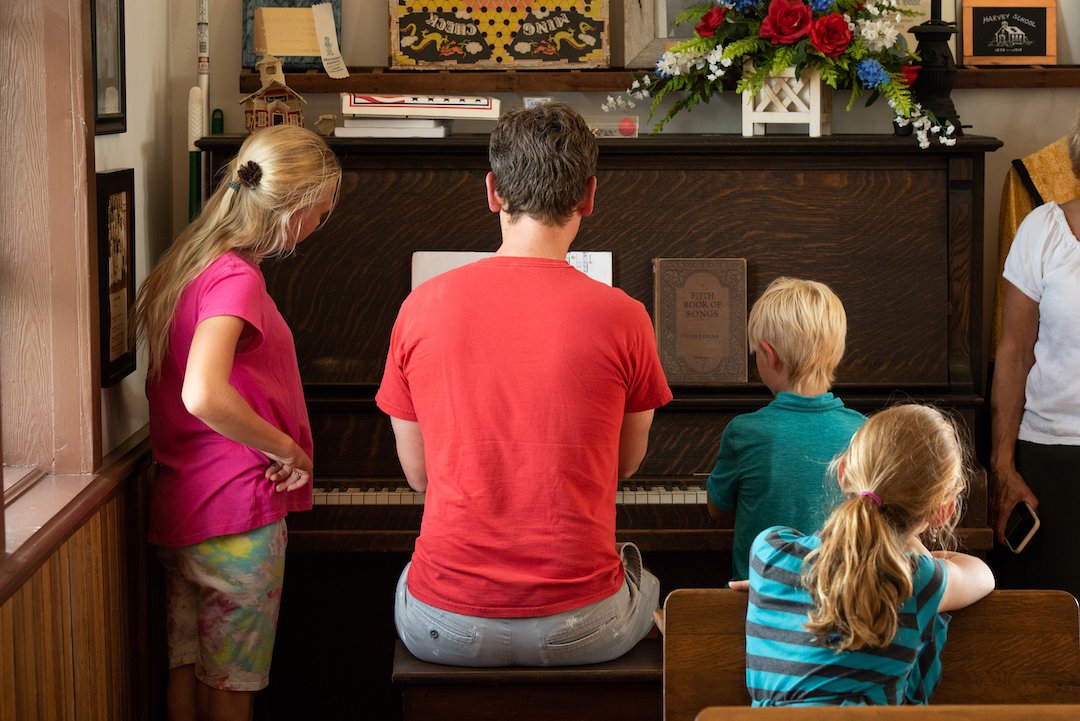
(896, 231)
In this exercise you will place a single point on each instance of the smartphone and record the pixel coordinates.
(1021, 526)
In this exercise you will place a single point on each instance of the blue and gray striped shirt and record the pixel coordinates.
(787, 666)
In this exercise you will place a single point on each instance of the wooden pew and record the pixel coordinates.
(937, 712)
(1013, 647)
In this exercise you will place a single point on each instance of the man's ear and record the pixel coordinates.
(585, 207)
(495, 203)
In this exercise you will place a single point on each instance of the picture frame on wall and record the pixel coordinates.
(1009, 32)
(646, 31)
(116, 273)
(110, 87)
(289, 63)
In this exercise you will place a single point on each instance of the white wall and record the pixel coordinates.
(143, 147)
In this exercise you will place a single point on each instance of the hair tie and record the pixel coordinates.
(250, 174)
(872, 496)
(234, 186)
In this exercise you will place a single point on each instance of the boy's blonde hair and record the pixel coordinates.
(278, 172)
(911, 460)
(806, 325)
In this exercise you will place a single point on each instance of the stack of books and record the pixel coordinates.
(409, 116)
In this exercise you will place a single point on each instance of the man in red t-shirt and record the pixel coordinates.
(520, 390)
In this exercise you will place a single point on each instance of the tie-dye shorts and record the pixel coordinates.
(222, 598)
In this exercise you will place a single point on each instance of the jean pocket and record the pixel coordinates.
(581, 631)
(439, 626)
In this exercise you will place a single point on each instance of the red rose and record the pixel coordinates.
(787, 21)
(830, 35)
(910, 72)
(711, 20)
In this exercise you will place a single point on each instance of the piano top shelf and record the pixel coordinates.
(463, 82)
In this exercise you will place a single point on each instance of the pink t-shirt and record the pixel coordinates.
(208, 485)
(519, 371)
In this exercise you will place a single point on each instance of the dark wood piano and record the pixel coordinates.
(896, 231)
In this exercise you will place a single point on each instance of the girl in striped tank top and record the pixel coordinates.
(856, 614)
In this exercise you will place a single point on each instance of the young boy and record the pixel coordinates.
(771, 466)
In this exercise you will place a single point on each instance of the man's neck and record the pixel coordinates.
(529, 238)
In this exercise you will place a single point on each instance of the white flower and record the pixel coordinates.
(668, 64)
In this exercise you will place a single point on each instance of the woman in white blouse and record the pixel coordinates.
(1035, 398)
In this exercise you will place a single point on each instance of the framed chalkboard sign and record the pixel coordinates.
(1010, 32)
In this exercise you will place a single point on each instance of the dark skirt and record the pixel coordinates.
(1052, 558)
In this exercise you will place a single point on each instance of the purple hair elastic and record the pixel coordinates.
(872, 496)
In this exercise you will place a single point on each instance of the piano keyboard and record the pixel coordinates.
(628, 494)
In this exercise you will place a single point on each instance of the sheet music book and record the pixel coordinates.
(375, 131)
(427, 264)
(381, 122)
(700, 316)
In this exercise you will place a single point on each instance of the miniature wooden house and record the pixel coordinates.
(275, 103)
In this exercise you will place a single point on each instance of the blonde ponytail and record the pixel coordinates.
(903, 467)
(278, 172)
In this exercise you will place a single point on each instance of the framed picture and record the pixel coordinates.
(289, 63)
(648, 29)
(116, 272)
(110, 94)
(1010, 32)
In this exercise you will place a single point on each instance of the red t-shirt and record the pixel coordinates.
(519, 371)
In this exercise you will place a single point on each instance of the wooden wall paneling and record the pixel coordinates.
(7, 661)
(88, 615)
(81, 639)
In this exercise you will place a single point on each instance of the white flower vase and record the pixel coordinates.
(788, 99)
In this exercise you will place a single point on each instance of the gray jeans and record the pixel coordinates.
(598, 632)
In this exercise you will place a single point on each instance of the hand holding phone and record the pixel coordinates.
(1021, 526)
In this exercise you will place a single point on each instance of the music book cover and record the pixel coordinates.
(700, 310)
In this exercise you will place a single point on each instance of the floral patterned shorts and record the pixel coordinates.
(222, 598)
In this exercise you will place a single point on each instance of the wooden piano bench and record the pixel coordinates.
(625, 689)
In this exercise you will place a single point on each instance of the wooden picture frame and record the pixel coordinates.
(643, 41)
(110, 83)
(1009, 32)
(116, 273)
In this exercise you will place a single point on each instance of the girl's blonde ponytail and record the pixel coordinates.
(904, 469)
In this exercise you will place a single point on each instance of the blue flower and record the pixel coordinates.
(872, 74)
(744, 6)
(821, 6)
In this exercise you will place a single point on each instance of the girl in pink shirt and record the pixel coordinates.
(228, 424)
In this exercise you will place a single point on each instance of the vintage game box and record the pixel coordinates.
(482, 35)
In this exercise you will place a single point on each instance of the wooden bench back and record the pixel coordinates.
(934, 712)
(1012, 647)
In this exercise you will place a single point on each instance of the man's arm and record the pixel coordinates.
(410, 450)
(633, 441)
